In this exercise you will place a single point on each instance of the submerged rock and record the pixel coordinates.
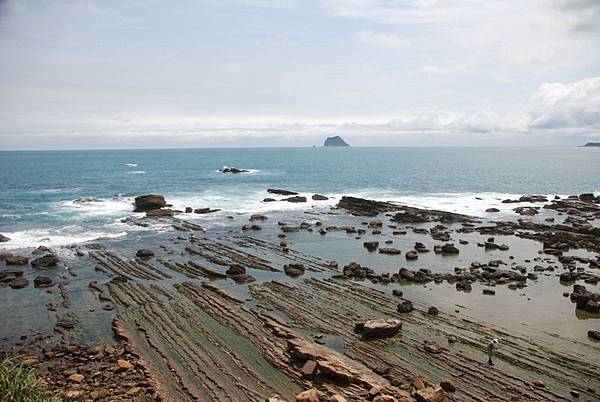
(294, 269)
(280, 192)
(15, 260)
(144, 253)
(371, 245)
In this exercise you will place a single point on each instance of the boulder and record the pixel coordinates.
(371, 245)
(258, 217)
(42, 282)
(449, 249)
(205, 210)
(433, 311)
(432, 347)
(144, 203)
(310, 395)
(189, 210)
(144, 253)
(294, 269)
(389, 250)
(411, 255)
(405, 307)
(16, 260)
(161, 213)
(492, 210)
(309, 369)
(429, 395)
(18, 283)
(235, 269)
(48, 260)
(594, 335)
(280, 192)
(319, 197)
(381, 328)
(269, 199)
(296, 198)
(527, 211)
(448, 385)
(4, 238)
(376, 223)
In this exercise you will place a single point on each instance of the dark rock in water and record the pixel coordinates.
(363, 207)
(319, 197)
(389, 250)
(189, 210)
(258, 217)
(233, 170)
(161, 213)
(490, 292)
(591, 144)
(405, 307)
(49, 260)
(528, 211)
(382, 328)
(296, 198)
(3, 238)
(205, 210)
(16, 260)
(144, 203)
(411, 255)
(41, 250)
(269, 200)
(371, 245)
(85, 200)
(492, 210)
(294, 269)
(335, 141)
(18, 283)
(397, 293)
(594, 335)
(43, 282)
(280, 192)
(449, 249)
(433, 311)
(235, 269)
(144, 253)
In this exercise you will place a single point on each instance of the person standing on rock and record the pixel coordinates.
(491, 350)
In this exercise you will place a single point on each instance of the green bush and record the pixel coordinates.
(20, 383)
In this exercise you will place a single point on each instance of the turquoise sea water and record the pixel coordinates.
(37, 189)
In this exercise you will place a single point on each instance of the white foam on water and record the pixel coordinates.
(474, 204)
(137, 172)
(116, 206)
(57, 237)
(131, 164)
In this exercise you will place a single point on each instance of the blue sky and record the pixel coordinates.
(115, 74)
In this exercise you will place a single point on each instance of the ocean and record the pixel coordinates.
(37, 188)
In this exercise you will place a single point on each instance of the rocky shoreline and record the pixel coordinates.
(244, 315)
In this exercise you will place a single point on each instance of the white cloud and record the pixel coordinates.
(566, 106)
(382, 39)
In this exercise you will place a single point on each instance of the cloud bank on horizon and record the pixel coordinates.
(153, 73)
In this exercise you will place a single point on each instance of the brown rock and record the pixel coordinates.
(49, 260)
(539, 384)
(433, 311)
(381, 328)
(448, 385)
(309, 369)
(310, 395)
(18, 283)
(16, 260)
(319, 197)
(76, 378)
(4, 238)
(384, 398)
(123, 365)
(429, 395)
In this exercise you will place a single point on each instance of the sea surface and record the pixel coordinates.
(37, 189)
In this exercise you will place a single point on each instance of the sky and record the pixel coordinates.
(202, 73)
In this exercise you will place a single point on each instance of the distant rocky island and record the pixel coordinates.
(589, 144)
(336, 141)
